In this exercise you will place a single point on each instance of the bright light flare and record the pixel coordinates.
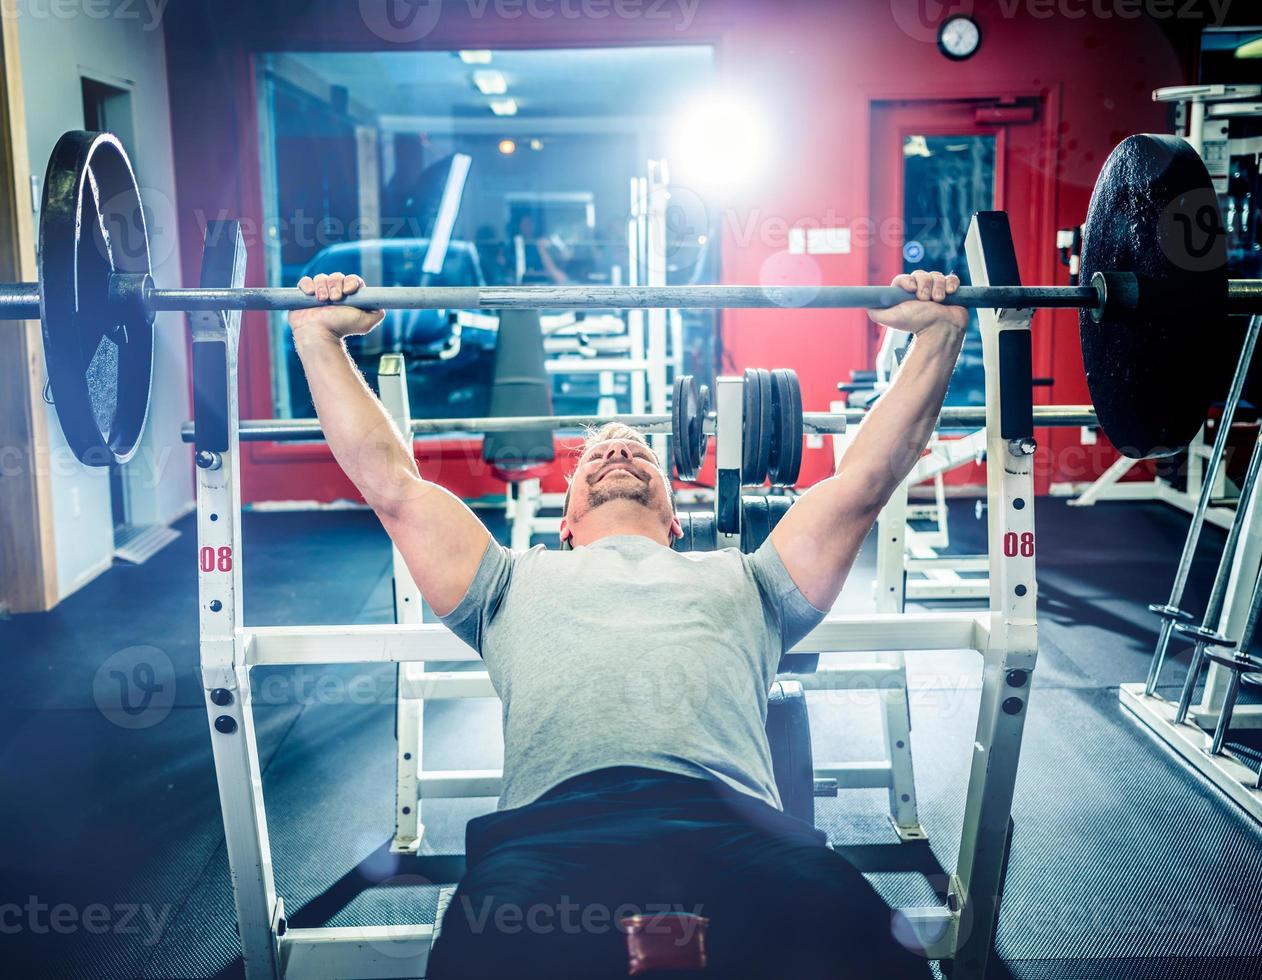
(720, 144)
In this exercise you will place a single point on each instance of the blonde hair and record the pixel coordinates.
(615, 430)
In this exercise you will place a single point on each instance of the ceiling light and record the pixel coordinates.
(504, 107)
(476, 57)
(1250, 49)
(536, 144)
(508, 147)
(916, 146)
(490, 82)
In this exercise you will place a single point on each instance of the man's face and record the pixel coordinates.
(618, 470)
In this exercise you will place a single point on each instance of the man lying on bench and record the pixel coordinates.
(640, 827)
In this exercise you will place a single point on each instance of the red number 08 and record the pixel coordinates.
(1023, 546)
(210, 559)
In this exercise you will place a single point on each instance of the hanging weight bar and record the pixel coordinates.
(1153, 258)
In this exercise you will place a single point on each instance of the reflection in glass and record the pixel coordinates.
(394, 165)
(946, 179)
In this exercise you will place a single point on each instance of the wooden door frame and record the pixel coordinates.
(28, 563)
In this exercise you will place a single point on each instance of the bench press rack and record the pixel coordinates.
(1004, 634)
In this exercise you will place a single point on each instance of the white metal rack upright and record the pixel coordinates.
(1004, 635)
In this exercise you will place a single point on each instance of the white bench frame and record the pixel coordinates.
(1004, 635)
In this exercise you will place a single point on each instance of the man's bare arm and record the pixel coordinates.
(441, 540)
(820, 536)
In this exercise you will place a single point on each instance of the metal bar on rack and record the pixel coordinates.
(610, 297)
(1218, 592)
(1208, 478)
(818, 423)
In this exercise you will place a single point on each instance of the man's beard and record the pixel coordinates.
(637, 490)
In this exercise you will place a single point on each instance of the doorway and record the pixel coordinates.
(934, 163)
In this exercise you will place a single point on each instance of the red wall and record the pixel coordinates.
(816, 66)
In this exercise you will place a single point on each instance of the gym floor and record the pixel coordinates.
(1123, 864)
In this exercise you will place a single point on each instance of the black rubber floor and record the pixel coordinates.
(112, 857)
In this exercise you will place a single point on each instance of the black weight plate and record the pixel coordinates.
(777, 507)
(778, 434)
(704, 532)
(688, 440)
(785, 462)
(100, 362)
(677, 428)
(684, 541)
(792, 468)
(1153, 374)
(755, 524)
(766, 424)
(700, 440)
(751, 435)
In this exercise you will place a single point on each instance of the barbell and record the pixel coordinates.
(813, 423)
(1153, 317)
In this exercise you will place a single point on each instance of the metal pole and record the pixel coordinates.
(1214, 607)
(821, 423)
(1202, 503)
(1224, 716)
(617, 297)
(1233, 682)
(20, 300)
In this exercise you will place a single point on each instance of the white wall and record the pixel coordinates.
(121, 43)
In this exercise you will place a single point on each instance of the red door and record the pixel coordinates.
(933, 164)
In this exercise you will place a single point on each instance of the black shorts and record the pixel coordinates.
(547, 884)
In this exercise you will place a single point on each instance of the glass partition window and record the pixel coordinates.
(468, 168)
(945, 180)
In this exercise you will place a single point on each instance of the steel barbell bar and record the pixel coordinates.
(813, 423)
(21, 301)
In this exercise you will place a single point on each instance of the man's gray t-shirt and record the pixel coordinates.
(626, 653)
